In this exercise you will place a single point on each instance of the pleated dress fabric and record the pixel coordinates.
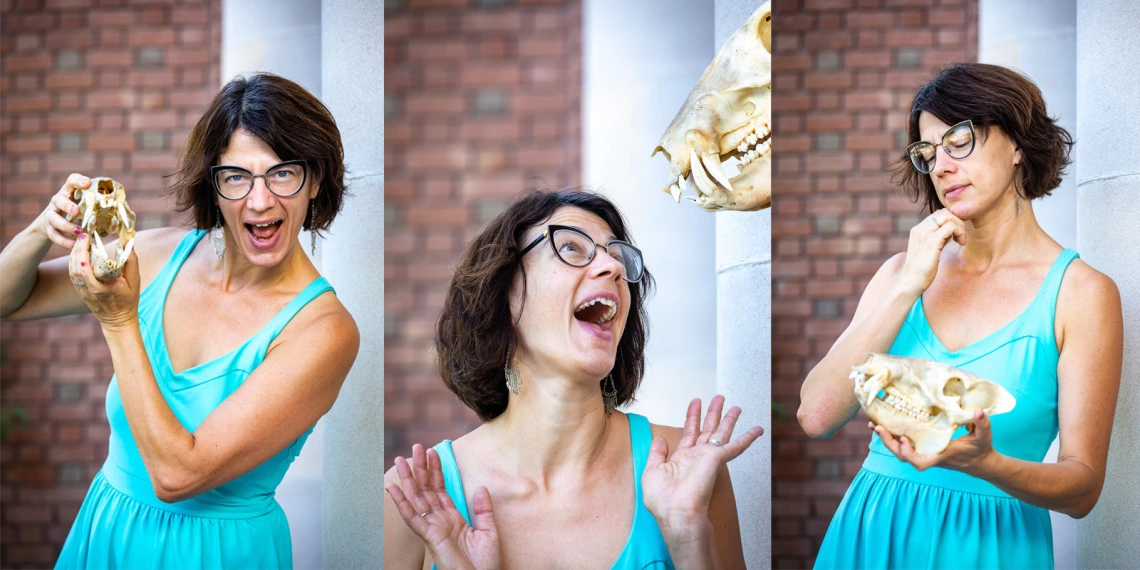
(894, 516)
(122, 524)
(645, 549)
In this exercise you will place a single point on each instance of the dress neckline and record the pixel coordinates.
(1060, 263)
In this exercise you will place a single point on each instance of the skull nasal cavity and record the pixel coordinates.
(106, 187)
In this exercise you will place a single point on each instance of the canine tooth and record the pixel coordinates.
(675, 192)
(712, 164)
(704, 184)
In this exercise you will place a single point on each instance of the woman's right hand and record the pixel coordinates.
(927, 239)
(53, 222)
(423, 502)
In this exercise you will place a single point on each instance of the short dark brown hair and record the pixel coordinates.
(475, 332)
(294, 123)
(990, 96)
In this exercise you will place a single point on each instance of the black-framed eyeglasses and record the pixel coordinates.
(958, 142)
(284, 179)
(573, 247)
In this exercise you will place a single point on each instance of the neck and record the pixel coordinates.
(1001, 233)
(236, 271)
(553, 425)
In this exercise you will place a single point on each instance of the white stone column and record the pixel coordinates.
(284, 37)
(1039, 39)
(640, 60)
(1108, 186)
(744, 336)
(352, 85)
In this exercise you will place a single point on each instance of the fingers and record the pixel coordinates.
(740, 444)
(411, 487)
(658, 453)
(56, 219)
(424, 478)
(712, 419)
(407, 511)
(692, 423)
(723, 432)
(79, 265)
(482, 512)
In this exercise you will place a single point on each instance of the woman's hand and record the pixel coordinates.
(923, 251)
(115, 302)
(57, 221)
(423, 502)
(963, 454)
(677, 489)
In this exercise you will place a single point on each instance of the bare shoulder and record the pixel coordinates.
(670, 433)
(324, 320)
(154, 248)
(1088, 299)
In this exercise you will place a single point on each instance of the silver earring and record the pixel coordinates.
(218, 237)
(312, 228)
(514, 379)
(609, 394)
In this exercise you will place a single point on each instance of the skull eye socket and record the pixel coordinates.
(954, 387)
(980, 395)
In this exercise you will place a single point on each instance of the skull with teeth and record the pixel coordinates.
(923, 400)
(727, 116)
(103, 211)
(598, 310)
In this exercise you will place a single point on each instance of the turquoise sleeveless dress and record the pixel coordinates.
(894, 516)
(646, 546)
(122, 524)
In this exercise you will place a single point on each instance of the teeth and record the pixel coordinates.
(605, 316)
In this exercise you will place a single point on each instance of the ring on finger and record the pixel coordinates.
(716, 442)
(80, 284)
(424, 514)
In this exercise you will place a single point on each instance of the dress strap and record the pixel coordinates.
(640, 438)
(266, 335)
(451, 478)
(1051, 288)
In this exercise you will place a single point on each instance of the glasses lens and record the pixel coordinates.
(286, 179)
(922, 156)
(573, 247)
(959, 141)
(629, 257)
(233, 183)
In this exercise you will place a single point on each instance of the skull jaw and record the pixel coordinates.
(927, 439)
(751, 190)
(109, 268)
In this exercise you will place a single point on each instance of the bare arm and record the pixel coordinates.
(31, 288)
(295, 385)
(1088, 380)
(827, 400)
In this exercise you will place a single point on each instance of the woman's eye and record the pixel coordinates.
(282, 174)
(570, 247)
(235, 178)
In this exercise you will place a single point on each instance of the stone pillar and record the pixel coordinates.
(352, 85)
(744, 336)
(640, 60)
(1039, 39)
(1108, 184)
(291, 48)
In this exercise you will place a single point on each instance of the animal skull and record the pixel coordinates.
(728, 115)
(104, 211)
(924, 400)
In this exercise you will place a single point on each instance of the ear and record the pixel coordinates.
(1016, 156)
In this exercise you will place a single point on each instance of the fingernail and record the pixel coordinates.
(76, 231)
(83, 264)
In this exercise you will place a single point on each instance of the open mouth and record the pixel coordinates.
(263, 233)
(754, 145)
(599, 311)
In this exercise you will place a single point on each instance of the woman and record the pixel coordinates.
(981, 287)
(542, 342)
(226, 350)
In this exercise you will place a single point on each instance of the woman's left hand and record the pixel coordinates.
(962, 454)
(677, 489)
(115, 302)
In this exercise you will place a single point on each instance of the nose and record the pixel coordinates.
(606, 265)
(259, 198)
(943, 162)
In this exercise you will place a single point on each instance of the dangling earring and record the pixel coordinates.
(609, 394)
(1019, 203)
(514, 378)
(313, 227)
(218, 237)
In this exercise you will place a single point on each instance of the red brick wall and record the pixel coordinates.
(482, 101)
(844, 77)
(107, 87)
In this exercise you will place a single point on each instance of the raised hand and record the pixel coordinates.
(423, 502)
(115, 302)
(924, 249)
(678, 486)
(57, 221)
(963, 454)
